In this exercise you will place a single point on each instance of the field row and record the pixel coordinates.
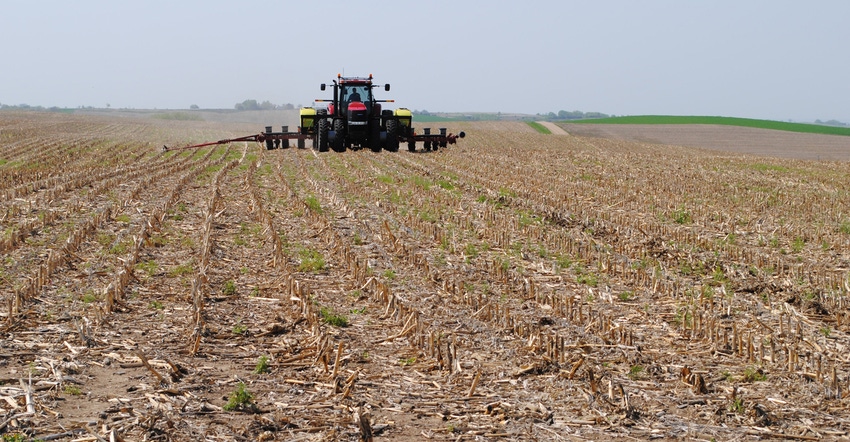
(515, 286)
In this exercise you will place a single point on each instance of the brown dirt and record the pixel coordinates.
(762, 142)
(554, 128)
(515, 286)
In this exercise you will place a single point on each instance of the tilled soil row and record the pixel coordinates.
(673, 286)
(289, 295)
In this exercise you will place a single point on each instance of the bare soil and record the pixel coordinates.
(515, 286)
(554, 128)
(746, 140)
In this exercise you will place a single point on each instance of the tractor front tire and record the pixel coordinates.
(411, 145)
(339, 140)
(392, 136)
(322, 135)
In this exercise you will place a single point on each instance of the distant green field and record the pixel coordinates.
(728, 121)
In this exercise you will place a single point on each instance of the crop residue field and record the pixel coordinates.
(516, 286)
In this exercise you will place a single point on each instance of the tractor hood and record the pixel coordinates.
(357, 113)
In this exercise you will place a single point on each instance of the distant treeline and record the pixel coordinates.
(248, 105)
(40, 108)
(831, 123)
(574, 115)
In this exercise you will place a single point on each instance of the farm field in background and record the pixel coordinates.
(725, 139)
(723, 121)
(515, 286)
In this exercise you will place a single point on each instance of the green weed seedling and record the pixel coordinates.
(682, 216)
(737, 406)
(331, 318)
(752, 374)
(241, 400)
(313, 203)
(149, 267)
(262, 365)
(445, 184)
(311, 261)
(180, 270)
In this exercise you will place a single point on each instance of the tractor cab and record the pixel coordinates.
(355, 92)
(355, 101)
(355, 98)
(349, 90)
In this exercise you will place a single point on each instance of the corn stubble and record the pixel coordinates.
(566, 285)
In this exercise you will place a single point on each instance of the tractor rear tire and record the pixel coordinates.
(322, 135)
(339, 140)
(375, 136)
(392, 136)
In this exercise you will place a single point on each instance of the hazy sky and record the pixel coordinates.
(771, 59)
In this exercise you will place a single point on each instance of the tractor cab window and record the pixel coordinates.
(355, 93)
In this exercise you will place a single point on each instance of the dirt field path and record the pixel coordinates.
(554, 128)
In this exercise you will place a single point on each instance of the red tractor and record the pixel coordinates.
(353, 119)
